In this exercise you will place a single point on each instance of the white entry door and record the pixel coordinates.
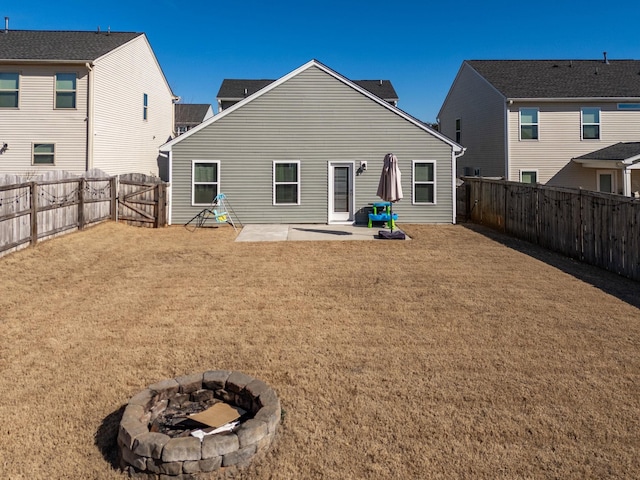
(341, 203)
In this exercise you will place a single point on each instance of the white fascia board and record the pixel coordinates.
(313, 63)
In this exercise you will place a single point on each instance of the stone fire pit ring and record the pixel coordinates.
(154, 455)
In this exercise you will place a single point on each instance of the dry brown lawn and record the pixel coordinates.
(459, 354)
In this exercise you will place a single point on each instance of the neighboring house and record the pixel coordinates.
(526, 120)
(234, 90)
(81, 100)
(309, 148)
(188, 115)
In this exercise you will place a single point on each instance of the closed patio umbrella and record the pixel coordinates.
(390, 190)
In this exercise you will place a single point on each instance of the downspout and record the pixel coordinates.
(506, 139)
(90, 119)
(454, 186)
(170, 187)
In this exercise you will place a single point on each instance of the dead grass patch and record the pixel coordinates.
(449, 356)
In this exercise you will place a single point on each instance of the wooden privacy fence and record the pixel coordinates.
(59, 202)
(597, 228)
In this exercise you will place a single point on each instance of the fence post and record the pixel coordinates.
(81, 188)
(114, 198)
(161, 213)
(34, 213)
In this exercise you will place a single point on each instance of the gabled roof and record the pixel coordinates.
(190, 113)
(34, 45)
(236, 89)
(557, 79)
(619, 152)
(315, 63)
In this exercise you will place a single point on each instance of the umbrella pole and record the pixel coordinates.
(391, 216)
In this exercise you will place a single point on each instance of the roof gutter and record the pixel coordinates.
(38, 61)
(511, 100)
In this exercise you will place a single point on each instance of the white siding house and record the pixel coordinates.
(527, 120)
(80, 100)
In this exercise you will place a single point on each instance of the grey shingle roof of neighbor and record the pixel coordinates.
(561, 78)
(619, 151)
(60, 45)
(190, 113)
(235, 88)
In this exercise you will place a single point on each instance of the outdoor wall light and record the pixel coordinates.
(363, 165)
(4, 148)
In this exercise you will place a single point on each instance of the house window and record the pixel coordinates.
(44, 153)
(629, 106)
(529, 176)
(182, 129)
(145, 106)
(65, 90)
(9, 88)
(286, 183)
(424, 181)
(205, 178)
(528, 124)
(606, 181)
(590, 123)
(458, 130)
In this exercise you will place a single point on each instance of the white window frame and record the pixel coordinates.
(297, 182)
(520, 124)
(57, 90)
(534, 170)
(12, 90)
(614, 180)
(583, 124)
(414, 182)
(194, 183)
(34, 154)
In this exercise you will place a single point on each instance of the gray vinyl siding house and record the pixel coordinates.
(326, 128)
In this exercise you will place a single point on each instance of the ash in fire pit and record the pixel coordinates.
(160, 435)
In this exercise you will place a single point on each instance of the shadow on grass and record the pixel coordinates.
(106, 437)
(620, 287)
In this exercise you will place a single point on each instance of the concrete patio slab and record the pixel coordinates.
(306, 232)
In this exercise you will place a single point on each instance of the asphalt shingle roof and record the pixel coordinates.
(619, 151)
(60, 45)
(561, 78)
(190, 113)
(235, 88)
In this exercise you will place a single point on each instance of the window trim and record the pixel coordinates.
(17, 91)
(458, 129)
(274, 183)
(583, 124)
(537, 124)
(525, 170)
(193, 182)
(145, 107)
(33, 153)
(433, 182)
(74, 91)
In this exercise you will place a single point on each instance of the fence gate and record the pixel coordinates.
(142, 200)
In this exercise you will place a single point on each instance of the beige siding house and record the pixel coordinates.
(531, 120)
(309, 148)
(81, 100)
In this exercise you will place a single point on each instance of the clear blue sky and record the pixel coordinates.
(418, 45)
